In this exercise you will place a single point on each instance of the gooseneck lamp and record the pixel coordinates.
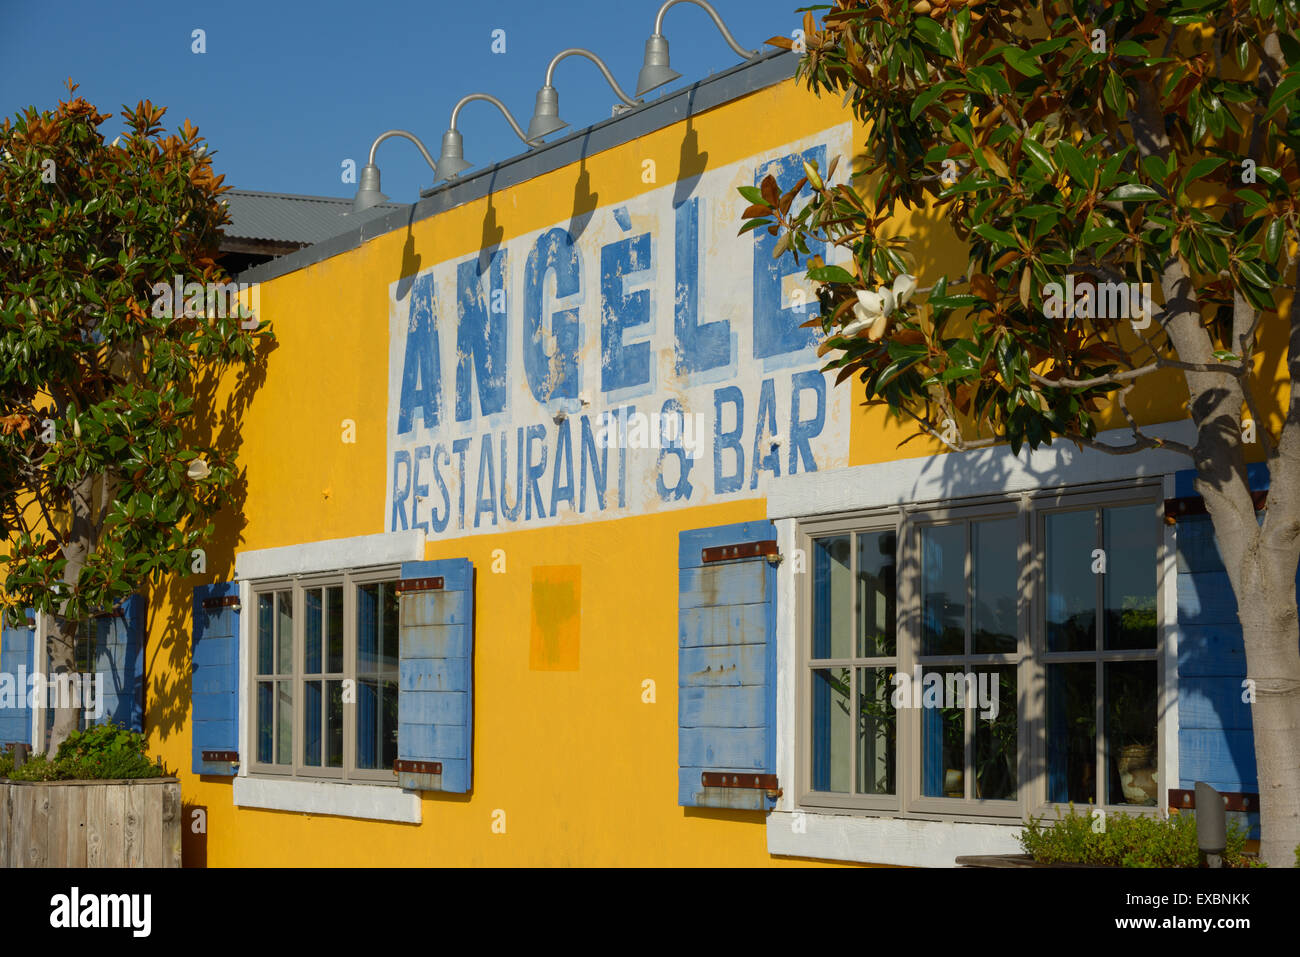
(655, 70)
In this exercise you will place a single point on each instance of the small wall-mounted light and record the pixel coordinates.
(451, 161)
(546, 112)
(655, 70)
(368, 193)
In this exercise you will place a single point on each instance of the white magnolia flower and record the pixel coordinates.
(872, 310)
(198, 470)
(904, 286)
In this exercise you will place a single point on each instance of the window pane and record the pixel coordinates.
(311, 632)
(284, 723)
(995, 716)
(334, 628)
(943, 589)
(832, 599)
(367, 723)
(311, 708)
(388, 724)
(943, 733)
(334, 725)
(265, 720)
(830, 730)
(995, 566)
(877, 731)
(1131, 535)
(388, 642)
(1071, 585)
(877, 594)
(266, 634)
(367, 628)
(284, 633)
(1132, 747)
(1072, 733)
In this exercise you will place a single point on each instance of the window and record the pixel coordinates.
(325, 676)
(961, 660)
(83, 657)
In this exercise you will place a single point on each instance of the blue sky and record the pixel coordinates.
(288, 90)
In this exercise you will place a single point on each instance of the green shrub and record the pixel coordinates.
(105, 751)
(1127, 841)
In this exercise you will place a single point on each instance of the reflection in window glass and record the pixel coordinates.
(265, 720)
(265, 633)
(334, 725)
(1071, 585)
(877, 731)
(1131, 539)
(831, 733)
(1132, 744)
(311, 626)
(284, 723)
(943, 589)
(877, 594)
(284, 633)
(334, 628)
(994, 572)
(996, 718)
(943, 732)
(311, 711)
(377, 674)
(1072, 733)
(832, 598)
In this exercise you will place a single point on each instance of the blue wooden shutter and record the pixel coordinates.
(435, 699)
(726, 708)
(16, 649)
(119, 657)
(214, 683)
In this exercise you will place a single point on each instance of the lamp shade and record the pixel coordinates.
(655, 71)
(368, 193)
(451, 161)
(546, 114)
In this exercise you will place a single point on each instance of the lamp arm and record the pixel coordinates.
(717, 20)
(495, 102)
(405, 135)
(609, 77)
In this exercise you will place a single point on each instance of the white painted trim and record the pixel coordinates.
(885, 840)
(787, 719)
(1169, 600)
(331, 555)
(247, 616)
(941, 478)
(370, 801)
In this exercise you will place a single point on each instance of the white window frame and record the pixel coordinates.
(990, 472)
(358, 798)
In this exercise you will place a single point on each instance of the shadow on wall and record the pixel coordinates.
(194, 835)
(167, 671)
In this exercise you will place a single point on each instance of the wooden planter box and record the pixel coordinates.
(121, 823)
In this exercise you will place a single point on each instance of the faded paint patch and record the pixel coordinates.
(556, 618)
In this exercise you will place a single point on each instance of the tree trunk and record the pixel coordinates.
(1267, 609)
(60, 640)
(62, 637)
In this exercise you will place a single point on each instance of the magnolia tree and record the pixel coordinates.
(110, 472)
(1124, 174)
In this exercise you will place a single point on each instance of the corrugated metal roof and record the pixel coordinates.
(285, 217)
